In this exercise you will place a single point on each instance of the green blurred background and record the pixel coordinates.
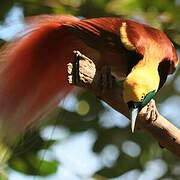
(85, 138)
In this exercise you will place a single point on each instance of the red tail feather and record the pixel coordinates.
(34, 70)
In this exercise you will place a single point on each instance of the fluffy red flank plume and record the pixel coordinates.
(33, 71)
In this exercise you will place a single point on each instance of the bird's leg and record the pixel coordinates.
(106, 79)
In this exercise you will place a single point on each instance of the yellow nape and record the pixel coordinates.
(143, 79)
(124, 38)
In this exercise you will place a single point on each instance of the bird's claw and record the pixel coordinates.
(151, 112)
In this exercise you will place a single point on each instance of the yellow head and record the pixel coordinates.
(140, 86)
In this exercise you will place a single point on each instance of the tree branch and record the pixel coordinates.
(100, 82)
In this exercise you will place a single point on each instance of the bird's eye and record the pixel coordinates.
(142, 97)
(148, 97)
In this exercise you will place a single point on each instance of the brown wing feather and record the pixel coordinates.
(104, 34)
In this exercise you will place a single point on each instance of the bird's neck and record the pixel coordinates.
(146, 70)
(143, 79)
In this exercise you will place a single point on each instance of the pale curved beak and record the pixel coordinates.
(133, 115)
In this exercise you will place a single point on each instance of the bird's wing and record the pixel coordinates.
(123, 43)
(104, 34)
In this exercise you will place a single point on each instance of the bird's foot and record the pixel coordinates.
(151, 111)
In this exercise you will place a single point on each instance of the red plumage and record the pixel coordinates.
(33, 67)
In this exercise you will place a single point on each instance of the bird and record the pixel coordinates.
(33, 77)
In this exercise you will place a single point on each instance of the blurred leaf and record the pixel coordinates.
(124, 7)
(3, 176)
(94, 8)
(25, 156)
(32, 165)
(48, 167)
